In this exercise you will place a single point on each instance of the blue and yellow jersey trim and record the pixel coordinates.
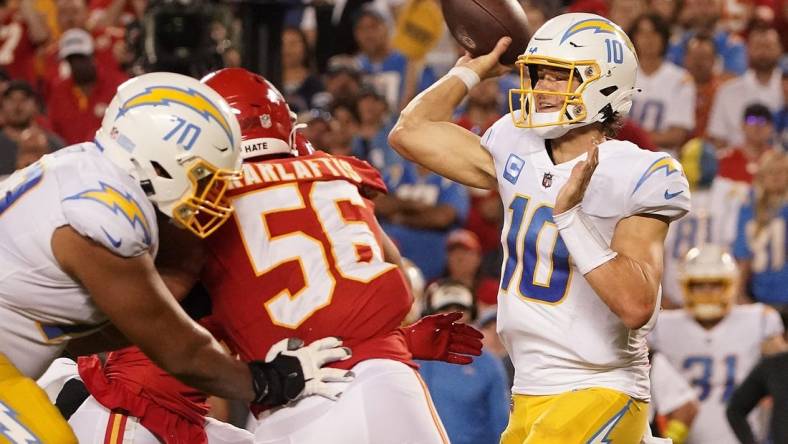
(32, 176)
(165, 95)
(58, 333)
(119, 203)
(667, 164)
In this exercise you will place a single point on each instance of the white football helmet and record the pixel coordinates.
(593, 50)
(709, 278)
(180, 140)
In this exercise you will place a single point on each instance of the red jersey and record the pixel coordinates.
(302, 257)
(17, 51)
(131, 382)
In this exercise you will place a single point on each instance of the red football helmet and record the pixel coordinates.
(267, 125)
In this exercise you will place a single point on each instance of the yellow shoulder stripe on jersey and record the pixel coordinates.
(165, 95)
(119, 203)
(667, 163)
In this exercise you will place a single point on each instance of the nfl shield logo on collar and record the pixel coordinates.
(547, 180)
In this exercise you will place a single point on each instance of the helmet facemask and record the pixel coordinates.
(573, 110)
(205, 208)
(709, 299)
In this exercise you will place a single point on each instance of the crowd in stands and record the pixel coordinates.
(714, 80)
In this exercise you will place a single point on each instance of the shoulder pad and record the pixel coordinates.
(107, 207)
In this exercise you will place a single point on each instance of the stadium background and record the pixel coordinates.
(348, 66)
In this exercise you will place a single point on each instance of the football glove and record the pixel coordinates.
(439, 338)
(291, 371)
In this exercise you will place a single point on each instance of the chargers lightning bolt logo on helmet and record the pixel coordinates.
(165, 95)
(599, 26)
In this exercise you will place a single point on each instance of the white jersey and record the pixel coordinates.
(41, 307)
(560, 335)
(715, 361)
(734, 96)
(712, 220)
(669, 389)
(667, 99)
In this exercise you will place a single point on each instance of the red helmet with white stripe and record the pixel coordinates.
(267, 125)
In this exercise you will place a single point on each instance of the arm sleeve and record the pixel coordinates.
(669, 389)
(660, 188)
(743, 400)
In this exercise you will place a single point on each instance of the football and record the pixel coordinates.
(477, 25)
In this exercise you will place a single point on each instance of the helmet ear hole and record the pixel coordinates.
(608, 90)
(160, 171)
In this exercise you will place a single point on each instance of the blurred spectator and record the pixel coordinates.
(418, 29)
(463, 262)
(371, 142)
(77, 103)
(485, 218)
(318, 128)
(712, 219)
(342, 82)
(673, 404)
(344, 126)
(299, 81)
(760, 84)
(699, 62)
(488, 324)
(19, 111)
(761, 234)
(625, 12)
(767, 379)
(108, 44)
(703, 16)
(482, 107)
(383, 67)
(419, 212)
(472, 400)
(22, 29)
(665, 107)
(781, 121)
(104, 13)
(741, 162)
(713, 342)
(33, 144)
(330, 25)
(665, 9)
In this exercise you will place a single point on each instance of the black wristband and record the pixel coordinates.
(277, 382)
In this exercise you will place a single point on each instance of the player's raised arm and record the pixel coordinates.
(425, 134)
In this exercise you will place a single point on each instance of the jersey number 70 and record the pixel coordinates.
(535, 249)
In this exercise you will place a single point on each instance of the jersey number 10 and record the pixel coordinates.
(544, 272)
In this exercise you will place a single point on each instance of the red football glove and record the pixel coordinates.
(439, 338)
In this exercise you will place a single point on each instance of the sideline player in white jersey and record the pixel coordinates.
(712, 342)
(715, 207)
(586, 218)
(78, 237)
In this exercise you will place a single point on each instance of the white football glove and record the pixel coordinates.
(292, 371)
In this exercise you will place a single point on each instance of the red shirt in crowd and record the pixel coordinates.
(734, 164)
(17, 51)
(76, 116)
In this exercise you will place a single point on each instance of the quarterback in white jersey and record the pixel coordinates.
(715, 206)
(78, 237)
(714, 343)
(586, 218)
